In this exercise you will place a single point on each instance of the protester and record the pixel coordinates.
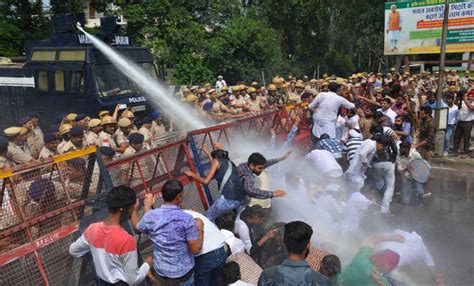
(426, 136)
(331, 268)
(211, 259)
(114, 251)
(411, 189)
(238, 183)
(231, 275)
(226, 223)
(176, 236)
(294, 270)
(325, 107)
(369, 267)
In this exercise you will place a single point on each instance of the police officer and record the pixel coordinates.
(131, 116)
(121, 135)
(36, 128)
(63, 135)
(15, 153)
(136, 145)
(157, 126)
(109, 124)
(76, 140)
(83, 121)
(50, 148)
(33, 145)
(103, 113)
(145, 129)
(92, 138)
(4, 162)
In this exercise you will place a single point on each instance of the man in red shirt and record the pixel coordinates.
(114, 250)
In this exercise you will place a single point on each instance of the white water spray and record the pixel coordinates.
(184, 116)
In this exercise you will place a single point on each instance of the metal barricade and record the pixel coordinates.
(41, 206)
(250, 127)
(147, 171)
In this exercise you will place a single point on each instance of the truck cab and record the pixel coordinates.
(68, 74)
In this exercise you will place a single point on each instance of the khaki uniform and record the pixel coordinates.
(34, 143)
(61, 145)
(17, 155)
(146, 133)
(46, 153)
(105, 139)
(92, 139)
(157, 130)
(68, 147)
(5, 163)
(130, 151)
(254, 105)
(120, 137)
(294, 97)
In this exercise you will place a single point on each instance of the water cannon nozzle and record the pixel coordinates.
(78, 25)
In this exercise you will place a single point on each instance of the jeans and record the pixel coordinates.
(410, 190)
(186, 280)
(221, 206)
(463, 131)
(447, 136)
(208, 267)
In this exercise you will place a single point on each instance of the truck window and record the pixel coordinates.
(42, 80)
(59, 80)
(72, 55)
(77, 82)
(43, 56)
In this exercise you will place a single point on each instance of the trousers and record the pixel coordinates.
(462, 132)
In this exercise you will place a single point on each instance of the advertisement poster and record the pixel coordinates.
(414, 27)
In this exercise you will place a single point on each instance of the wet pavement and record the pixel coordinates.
(446, 223)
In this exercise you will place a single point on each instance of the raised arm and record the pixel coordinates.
(210, 174)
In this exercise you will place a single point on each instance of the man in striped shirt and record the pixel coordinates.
(351, 145)
(114, 251)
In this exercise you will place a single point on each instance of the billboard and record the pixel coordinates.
(414, 27)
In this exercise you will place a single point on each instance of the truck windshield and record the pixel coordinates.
(110, 82)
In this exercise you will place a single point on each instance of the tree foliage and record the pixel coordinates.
(238, 39)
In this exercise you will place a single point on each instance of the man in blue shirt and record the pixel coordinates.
(294, 270)
(176, 237)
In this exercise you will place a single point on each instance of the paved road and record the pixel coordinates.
(446, 223)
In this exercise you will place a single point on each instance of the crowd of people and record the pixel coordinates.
(117, 135)
(366, 132)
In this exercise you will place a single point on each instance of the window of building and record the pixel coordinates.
(59, 80)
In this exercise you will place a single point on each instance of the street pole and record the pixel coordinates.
(442, 62)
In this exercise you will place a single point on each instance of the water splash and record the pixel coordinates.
(185, 117)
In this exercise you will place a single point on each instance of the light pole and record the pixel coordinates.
(442, 62)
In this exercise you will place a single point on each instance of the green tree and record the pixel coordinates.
(244, 49)
(191, 70)
(67, 6)
(21, 20)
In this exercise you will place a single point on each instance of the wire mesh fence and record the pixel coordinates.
(45, 207)
(41, 206)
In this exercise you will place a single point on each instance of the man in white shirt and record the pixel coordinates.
(226, 223)
(387, 111)
(412, 250)
(453, 113)
(466, 117)
(355, 174)
(220, 83)
(326, 106)
(211, 259)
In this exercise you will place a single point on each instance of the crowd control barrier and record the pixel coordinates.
(46, 206)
